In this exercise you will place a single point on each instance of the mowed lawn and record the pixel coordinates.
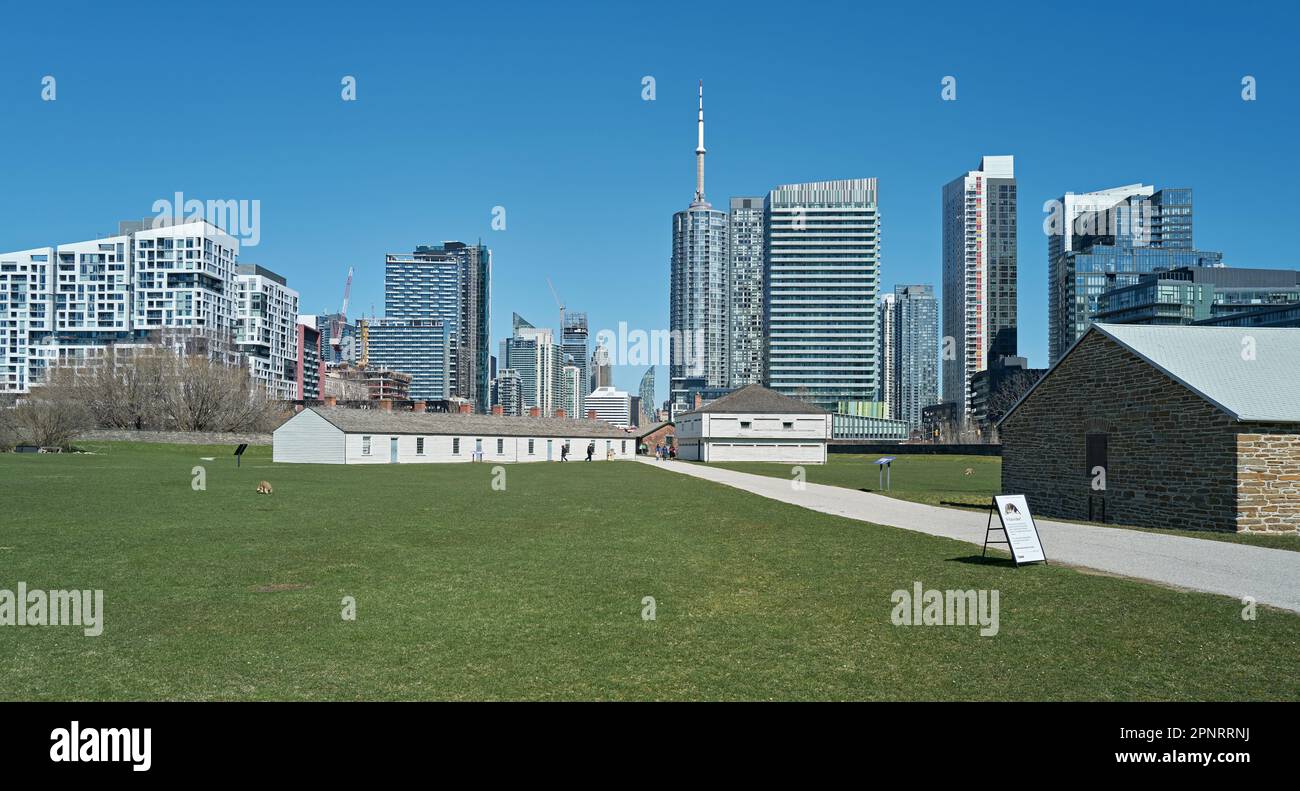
(944, 480)
(535, 593)
(921, 478)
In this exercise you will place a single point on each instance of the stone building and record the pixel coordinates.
(1164, 426)
(655, 434)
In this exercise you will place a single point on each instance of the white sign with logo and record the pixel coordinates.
(1018, 524)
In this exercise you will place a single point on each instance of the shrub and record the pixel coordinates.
(51, 423)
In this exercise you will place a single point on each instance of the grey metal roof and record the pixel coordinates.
(354, 421)
(756, 398)
(1251, 373)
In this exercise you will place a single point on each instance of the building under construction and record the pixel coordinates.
(355, 383)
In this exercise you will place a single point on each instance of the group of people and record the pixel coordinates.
(663, 451)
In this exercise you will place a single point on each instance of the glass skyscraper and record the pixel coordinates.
(820, 291)
(573, 341)
(647, 393)
(450, 282)
(1198, 294)
(510, 392)
(571, 391)
(1110, 239)
(697, 298)
(422, 303)
(887, 355)
(916, 352)
(418, 347)
(979, 273)
(532, 353)
(745, 292)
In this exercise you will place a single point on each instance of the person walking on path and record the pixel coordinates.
(591, 449)
(564, 452)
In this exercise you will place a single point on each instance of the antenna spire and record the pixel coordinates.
(699, 152)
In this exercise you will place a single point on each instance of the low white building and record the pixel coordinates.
(377, 436)
(754, 424)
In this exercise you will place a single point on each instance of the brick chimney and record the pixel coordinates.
(418, 406)
(465, 409)
(534, 411)
(591, 414)
(331, 401)
(559, 413)
(385, 405)
(497, 409)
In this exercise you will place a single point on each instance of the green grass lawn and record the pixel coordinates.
(536, 592)
(935, 480)
(942, 480)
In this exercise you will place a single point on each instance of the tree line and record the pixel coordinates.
(147, 389)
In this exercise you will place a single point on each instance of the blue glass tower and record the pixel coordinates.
(1110, 239)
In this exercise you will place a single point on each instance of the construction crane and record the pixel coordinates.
(347, 295)
(559, 302)
(336, 327)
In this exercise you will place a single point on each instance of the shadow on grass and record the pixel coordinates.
(989, 560)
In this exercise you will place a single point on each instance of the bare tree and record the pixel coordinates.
(194, 395)
(51, 422)
(204, 395)
(121, 390)
(1015, 383)
(255, 411)
(9, 430)
(153, 388)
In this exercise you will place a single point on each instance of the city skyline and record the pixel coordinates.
(403, 353)
(596, 129)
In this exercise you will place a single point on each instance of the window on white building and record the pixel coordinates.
(365, 446)
(419, 446)
(455, 445)
(501, 446)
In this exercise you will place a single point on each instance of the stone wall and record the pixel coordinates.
(172, 437)
(1268, 478)
(1172, 456)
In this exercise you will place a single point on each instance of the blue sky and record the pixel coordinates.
(537, 107)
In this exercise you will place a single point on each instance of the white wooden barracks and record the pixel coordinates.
(375, 436)
(754, 424)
